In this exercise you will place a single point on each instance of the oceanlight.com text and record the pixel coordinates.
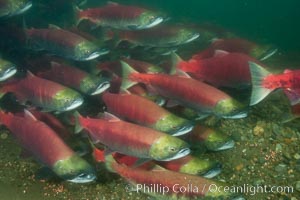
(212, 188)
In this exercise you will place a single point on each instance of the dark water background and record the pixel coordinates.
(271, 21)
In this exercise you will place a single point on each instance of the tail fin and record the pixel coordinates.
(2, 116)
(126, 71)
(258, 91)
(176, 60)
(98, 154)
(109, 162)
(78, 15)
(4, 89)
(5, 118)
(2, 93)
(287, 117)
(78, 126)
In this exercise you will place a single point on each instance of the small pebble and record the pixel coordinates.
(298, 186)
(4, 136)
(258, 130)
(278, 148)
(281, 167)
(297, 156)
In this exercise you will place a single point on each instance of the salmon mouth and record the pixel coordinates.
(239, 115)
(27, 6)
(179, 154)
(154, 22)
(8, 73)
(101, 88)
(216, 170)
(228, 145)
(83, 178)
(75, 104)
(96, 54)
(183, 130)
(268, 54)
(194, 37)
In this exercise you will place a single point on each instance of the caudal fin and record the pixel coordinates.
(176, 60)
(109, 162)
(78, 15)
(293, 95)
(259, 92)
(126, 71)
(78, 126)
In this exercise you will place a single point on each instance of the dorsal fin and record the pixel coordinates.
(182, 73)
(109, 117)
(287, 71)
(124, 91)
(29, 115)
(126, 71)
(53, 26)
(220, 53)
(30, 74)
(112, 3)
(54, 64)
(214, 40)
(175, 62)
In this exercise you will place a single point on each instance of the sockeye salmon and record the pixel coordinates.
(43, 143)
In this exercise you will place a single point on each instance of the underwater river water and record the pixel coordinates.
(266, 151)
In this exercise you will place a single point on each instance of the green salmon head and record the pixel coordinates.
(74, 169)
(66, 100)
(217, 141)
(174, 125)
(168, 148)
(88, 51)
(186, 36)
(7, 70)
(146, 20)
(201, 167)
(263, 52)
(93, 85)
(155, 69)
(17, 7)
(230, 109)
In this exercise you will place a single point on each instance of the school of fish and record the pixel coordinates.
(114, 79)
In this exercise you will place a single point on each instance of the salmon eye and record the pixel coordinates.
(173, 127)
(172, 149)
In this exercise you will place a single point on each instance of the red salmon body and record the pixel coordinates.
(34, 88)
(112, 12)
(43, 93)
(234, 45)
(161, 36)
(52, 122)
(189, 92)
(120, 17)
(147, 113)
(121, 136)
(76, 79)
(67, 75)
(228, 70)
(133, 140)
(63, 43)
(237, 45)
(165, 184)
(58, 36)
(289, 79)
(38, 138)
(133, 107)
